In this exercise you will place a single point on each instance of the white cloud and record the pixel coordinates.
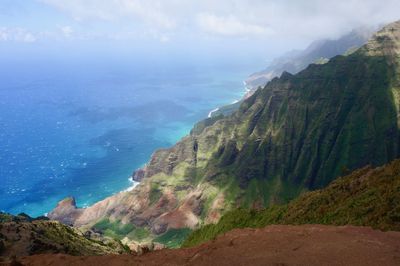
(284, 20)
(149, 12)
(164, 38)
(17, 35)
(228, 26)
(67, 31)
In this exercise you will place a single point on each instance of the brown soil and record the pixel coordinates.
(273, 245)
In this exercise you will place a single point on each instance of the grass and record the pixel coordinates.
(155, 193)
(366, 197)
(114, 229)
(139, 234)
(118, 231)
(173, 238)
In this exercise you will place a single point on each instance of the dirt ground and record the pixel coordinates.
(273, 245)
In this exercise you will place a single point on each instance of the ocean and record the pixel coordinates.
(81, 128)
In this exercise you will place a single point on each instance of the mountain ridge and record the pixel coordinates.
(298, 133)
(318, 51)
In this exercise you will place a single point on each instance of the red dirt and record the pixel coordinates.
(273, 245)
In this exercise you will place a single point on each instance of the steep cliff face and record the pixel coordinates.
(298, 133)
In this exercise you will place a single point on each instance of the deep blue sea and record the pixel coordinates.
(81, 129)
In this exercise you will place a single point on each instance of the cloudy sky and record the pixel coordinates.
(223, 26)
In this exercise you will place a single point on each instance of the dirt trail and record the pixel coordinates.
(273, 245)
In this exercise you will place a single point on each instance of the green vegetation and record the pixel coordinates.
(321, 61)
(139, 234)
(297, 134)
(227, 109)
(173, 238)
(114, 229)
(200, 126)
(366, 197)
(22, 235)
(118, 230)
(22, 217)
(155, 193)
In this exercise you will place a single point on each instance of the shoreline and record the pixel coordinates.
(133, 185)
(212, 111)
(244, 96)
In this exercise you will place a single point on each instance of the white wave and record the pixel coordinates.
(212, 111)
(134, 184)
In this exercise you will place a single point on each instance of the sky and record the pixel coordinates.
(223, 28)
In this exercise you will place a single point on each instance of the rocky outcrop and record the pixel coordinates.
(140, 249)
(66, 211)
(139, 174)
(298, 133)
(142, 208)
(28, 237)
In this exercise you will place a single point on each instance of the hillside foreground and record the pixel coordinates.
(272, 245)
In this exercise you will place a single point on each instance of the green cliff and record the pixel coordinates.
(296, 134)
(299, 132)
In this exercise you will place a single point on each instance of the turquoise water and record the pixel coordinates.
(70, 129)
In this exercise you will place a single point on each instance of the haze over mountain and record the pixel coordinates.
(318, 52)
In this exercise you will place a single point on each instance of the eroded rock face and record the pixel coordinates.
(139, 174)
(135, 207)
(66, 211)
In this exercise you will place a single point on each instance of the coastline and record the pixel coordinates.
(134, 184)
(212, 111)
(246, 94)
(241, 92)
